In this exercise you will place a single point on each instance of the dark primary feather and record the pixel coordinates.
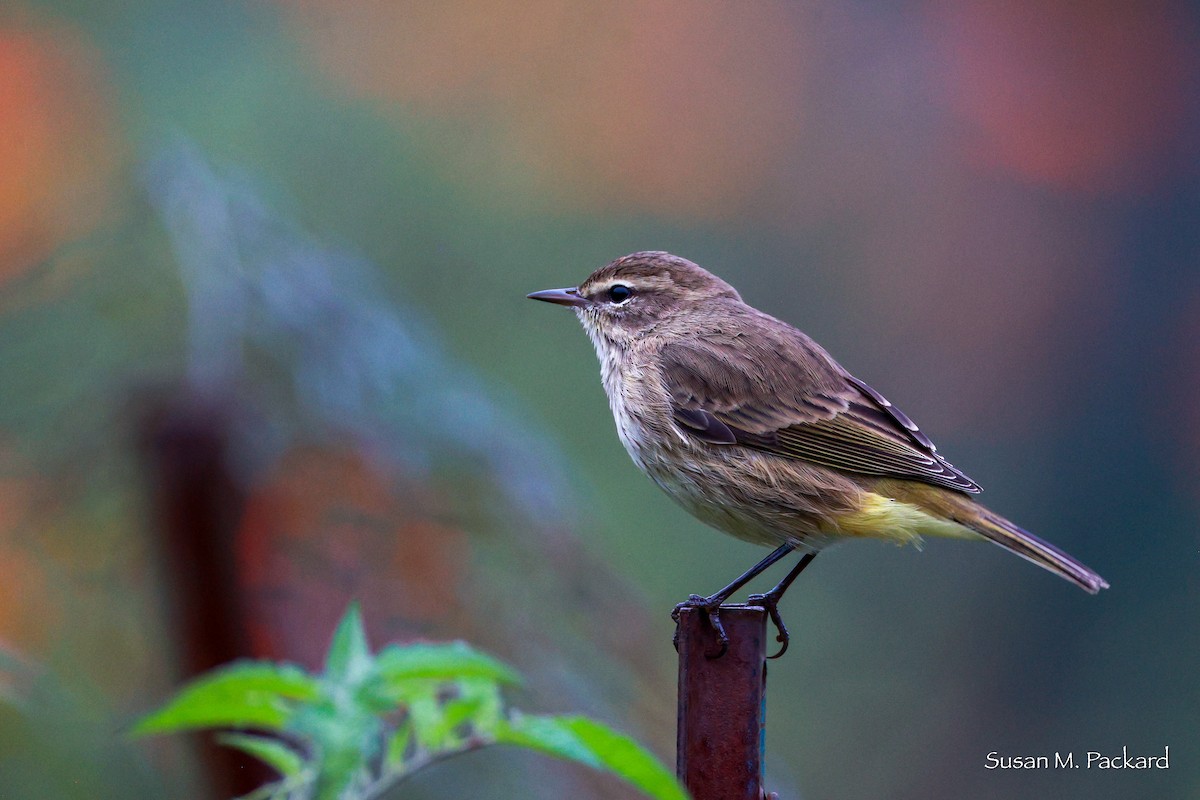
(791, 399)
(704, 425)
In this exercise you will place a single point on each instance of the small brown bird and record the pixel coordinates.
(754, 429)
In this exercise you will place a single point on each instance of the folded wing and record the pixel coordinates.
(792, 400)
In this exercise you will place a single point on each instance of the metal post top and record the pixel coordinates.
(721, 703)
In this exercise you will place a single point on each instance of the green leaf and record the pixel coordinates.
(397, 746)
(596, 745)
(349, 658)
(478, 703)
(344, 739)
(339, 768)
(245, 694)
(425, 713)
(279, 756)
(450, 661)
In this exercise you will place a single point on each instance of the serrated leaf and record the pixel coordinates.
(349, 657)
(547, 735)
(449, 661)
(245, 694)
(596, 745)
(275, 753)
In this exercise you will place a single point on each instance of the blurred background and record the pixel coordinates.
(264, 349)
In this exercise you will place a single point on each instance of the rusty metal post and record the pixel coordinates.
(722, 704)
(186, 444)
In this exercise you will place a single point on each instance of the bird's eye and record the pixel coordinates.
(619, 294)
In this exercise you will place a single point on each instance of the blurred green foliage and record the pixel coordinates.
(369, 721)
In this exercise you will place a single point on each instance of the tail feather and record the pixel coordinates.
(999, 530)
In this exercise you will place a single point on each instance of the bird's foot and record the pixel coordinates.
(711, 606)
(770, 602)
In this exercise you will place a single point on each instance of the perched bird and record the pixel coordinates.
(753, 428)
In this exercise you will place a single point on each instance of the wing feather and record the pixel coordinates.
(792, 400)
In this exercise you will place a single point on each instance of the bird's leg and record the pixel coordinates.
(770, 600)
(711, 605)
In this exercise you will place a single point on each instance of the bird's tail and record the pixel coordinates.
(999, 530)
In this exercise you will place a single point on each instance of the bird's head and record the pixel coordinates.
(637, 293)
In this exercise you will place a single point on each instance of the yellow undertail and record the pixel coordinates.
(915, 510)
(898, 522)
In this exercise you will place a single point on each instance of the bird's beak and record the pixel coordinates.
(563, 297)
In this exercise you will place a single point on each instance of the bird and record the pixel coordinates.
(754, 429)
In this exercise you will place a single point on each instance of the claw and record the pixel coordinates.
(771, 604)
(714, 619)
(711, 606)
(769, 601)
